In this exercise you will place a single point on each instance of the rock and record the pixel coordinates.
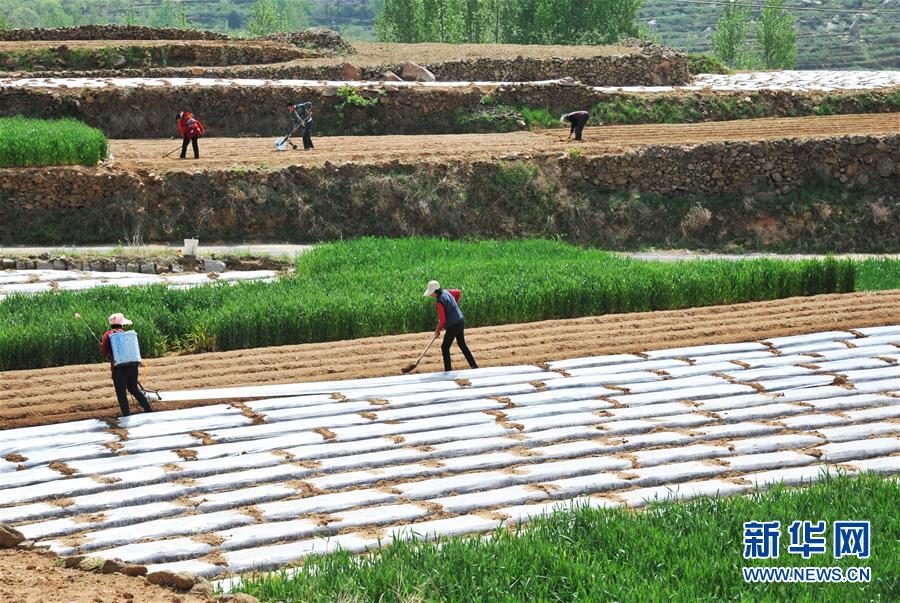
(148, 268)
(92, 564)
(198, 71)
(9, 536)
(132, 267)
(60, 265)
(44, 265)
(415, 73)
(213, 266)
(121, 268)
(184, 580)
(568, 81)
(26, 545)
(390, 76)
(203, 588)
(244, 598)
(7, 264)
(119, 61)
(72, 562)
(351, 73)
(113, 566)
(135, 570)
(162, 578)
(885, 167)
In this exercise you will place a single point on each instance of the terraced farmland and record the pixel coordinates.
(304, 469)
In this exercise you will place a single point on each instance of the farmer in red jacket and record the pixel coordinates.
(451, 316)
(125, 377)
(191, 129)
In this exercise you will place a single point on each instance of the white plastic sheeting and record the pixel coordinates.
(508, 443)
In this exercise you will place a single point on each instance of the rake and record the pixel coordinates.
(411, 367)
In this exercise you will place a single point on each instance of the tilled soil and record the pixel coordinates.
(218, 153)
(31, 577)
(69, 393)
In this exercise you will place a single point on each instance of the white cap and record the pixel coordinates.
(119, 320)
(432, 287)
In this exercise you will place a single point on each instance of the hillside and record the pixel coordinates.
(833, 34)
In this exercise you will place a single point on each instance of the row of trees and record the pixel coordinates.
(508, 21)
(776, 36)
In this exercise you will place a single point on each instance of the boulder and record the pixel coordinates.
(92, 564)
(135, 570)
(184, 580)
(412, 72)
(351, 73)
(119, 61)
(390, 76)
(213, 266)
(244, 598)
(112, 566)
(162, 578)
(9, 536)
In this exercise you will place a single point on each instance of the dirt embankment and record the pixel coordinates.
(746, 187)
(78, 392)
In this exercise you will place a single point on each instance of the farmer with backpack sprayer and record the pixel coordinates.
(121, 348)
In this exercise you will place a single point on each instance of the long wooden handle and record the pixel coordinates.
(425, 351)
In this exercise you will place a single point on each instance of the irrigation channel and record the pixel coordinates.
(269, 474)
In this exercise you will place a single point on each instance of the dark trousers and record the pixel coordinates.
(578, 125)
(126, 378)
(455, 331)
(184, 144)
(307, 141)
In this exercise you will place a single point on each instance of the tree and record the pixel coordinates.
(3, 23)
(399, 21)
(776, 36)
(265, 18)
(729, 40)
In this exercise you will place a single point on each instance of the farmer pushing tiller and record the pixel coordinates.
(122, 350)
(301, 118)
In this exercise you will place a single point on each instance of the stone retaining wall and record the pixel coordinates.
(107, 32)
(259, 111)
(116, 58)
(836, 194)
(648, 65)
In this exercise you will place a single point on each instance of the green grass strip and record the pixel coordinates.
(877, 274)
(28, 142)
(372, 287)
(676, 552)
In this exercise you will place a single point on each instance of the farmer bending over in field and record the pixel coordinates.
(120, 347)
(578, 119)
(301, 116)
(191, 129)
(451, 316)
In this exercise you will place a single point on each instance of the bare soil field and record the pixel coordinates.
(369, 53)
(217, 153)
(31, 577)
(68, 393)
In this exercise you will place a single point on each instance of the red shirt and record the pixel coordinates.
(442, 318)
(105, 346)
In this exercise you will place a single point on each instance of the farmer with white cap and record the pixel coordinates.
(121, 349)
(451, 316)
